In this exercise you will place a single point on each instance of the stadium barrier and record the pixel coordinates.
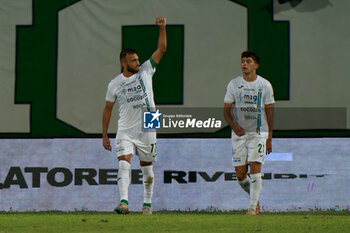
(190, 174)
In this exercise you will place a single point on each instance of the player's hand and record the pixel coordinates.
(239, 131)
(268, 146)
(106, 143)
(161, 21)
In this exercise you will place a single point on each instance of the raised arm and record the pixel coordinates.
(162, 41)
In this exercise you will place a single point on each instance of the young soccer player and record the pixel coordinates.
(133, 90)
(248, 110)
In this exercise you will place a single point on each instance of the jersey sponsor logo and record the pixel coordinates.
(137, 98)
(151, 120)
(250, 97)
(250, 109)
(247, 117)
(133, 89)
(139, 106)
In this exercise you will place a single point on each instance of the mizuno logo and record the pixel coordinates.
(240, 86)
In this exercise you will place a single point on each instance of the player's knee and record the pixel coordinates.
(124, 165)
(241, 172)
(123, 171)
(126, 158)
(241, 176)
(255, 167)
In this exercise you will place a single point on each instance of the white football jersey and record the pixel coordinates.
(249, 99)
(134, 94)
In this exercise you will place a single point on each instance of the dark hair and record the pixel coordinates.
(126, 51)
(251, 54)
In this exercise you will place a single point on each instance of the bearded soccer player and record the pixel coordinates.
(248, 110)
(133, 90)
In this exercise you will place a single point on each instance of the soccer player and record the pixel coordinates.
(133, 90)
(248, 110)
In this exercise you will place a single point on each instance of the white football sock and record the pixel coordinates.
(245, 184)
(255, 189)
(148, 183)
(123, 179)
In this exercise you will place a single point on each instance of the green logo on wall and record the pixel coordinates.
(36, 61)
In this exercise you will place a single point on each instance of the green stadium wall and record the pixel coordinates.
(57, 58)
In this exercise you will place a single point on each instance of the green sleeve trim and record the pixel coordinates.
(153, 63)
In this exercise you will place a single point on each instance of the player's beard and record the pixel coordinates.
(131, 70)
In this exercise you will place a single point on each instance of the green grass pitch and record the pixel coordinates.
(163, 221)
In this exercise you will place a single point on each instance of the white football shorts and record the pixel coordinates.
(248, 148)
(146, 152)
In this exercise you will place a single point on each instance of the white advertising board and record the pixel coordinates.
(190, 174)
